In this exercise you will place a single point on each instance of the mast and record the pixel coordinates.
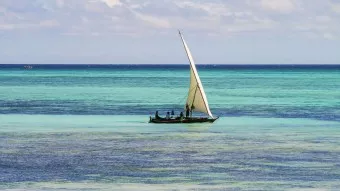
(197, 99)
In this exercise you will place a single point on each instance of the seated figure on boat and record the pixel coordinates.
(167, 115)
(187, 110)
(156, 115)
(192, 108)
(181, 116)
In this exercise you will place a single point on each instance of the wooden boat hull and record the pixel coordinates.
(185, 120)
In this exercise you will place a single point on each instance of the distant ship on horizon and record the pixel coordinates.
(28, 67)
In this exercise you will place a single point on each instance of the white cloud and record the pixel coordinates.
(6, 27)
(49, 23)
(210, 8)
(336, 7)
(283, 6)
(329, 36)
(41, 24)
(323, 19)
(110, 17)
(60, 3)
(154, 21)
(2, 9)
(112, 3)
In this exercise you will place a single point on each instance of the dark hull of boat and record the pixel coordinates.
(185, 120)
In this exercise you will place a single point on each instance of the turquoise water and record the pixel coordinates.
(85, 128)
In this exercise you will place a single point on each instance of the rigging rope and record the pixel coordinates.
(183, 99)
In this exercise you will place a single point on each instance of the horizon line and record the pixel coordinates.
(243, 64)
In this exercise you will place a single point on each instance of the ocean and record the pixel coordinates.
(85, 127)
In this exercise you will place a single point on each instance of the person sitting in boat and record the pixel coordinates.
(156, 115)
(181, 116)
(172, 113)
(192, 108)
(187, 110)
(167, 115)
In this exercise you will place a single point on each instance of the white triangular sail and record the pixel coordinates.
(197, 100)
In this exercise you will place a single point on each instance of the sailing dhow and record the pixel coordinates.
(197, 100)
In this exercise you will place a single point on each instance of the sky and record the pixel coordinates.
(145, 31)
